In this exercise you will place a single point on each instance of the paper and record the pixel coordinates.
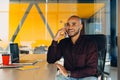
(28, 67)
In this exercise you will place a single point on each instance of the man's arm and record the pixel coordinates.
(54, 51)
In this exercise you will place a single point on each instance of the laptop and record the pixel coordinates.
(14, 50)
(10, 66)
(17, 65)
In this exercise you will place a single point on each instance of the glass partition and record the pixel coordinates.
(33, 23)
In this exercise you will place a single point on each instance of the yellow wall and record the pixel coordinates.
(34, 30)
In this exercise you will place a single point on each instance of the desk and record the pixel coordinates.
(45, 72)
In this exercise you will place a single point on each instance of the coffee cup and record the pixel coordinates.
(5, 59)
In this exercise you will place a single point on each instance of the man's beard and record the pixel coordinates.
(76, 33)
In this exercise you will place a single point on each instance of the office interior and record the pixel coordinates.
(33, 23)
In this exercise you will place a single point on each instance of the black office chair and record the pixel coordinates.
(100, 40)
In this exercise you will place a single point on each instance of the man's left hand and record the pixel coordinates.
(62, 69)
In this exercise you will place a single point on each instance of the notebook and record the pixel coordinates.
(28, 67)
(26, 62)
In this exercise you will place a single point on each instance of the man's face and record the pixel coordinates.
(73, 27)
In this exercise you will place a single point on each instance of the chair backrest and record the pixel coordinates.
(40, 50)
(100, 40)
(14, 50)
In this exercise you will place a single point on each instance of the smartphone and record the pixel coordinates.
(66, 35)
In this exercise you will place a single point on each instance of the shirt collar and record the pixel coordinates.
(78, 40)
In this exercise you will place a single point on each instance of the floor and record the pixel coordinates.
(113, 73)
(112, 70)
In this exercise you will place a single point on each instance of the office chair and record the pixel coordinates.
(40, 50)
(24, 50)
(100, 40)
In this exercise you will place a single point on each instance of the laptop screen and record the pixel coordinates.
(14, 50)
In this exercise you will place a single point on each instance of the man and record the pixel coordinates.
(79, 52)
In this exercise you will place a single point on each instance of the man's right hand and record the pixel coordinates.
(60, 34)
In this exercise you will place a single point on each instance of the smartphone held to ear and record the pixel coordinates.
(66, 35)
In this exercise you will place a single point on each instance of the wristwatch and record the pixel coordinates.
(69, 74)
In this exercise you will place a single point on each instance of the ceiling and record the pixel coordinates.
(60, 1)
(84, 9)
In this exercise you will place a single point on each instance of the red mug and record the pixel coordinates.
(5, 59)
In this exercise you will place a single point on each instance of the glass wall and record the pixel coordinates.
(34, 23)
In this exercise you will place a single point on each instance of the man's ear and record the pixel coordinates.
(81, 26)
